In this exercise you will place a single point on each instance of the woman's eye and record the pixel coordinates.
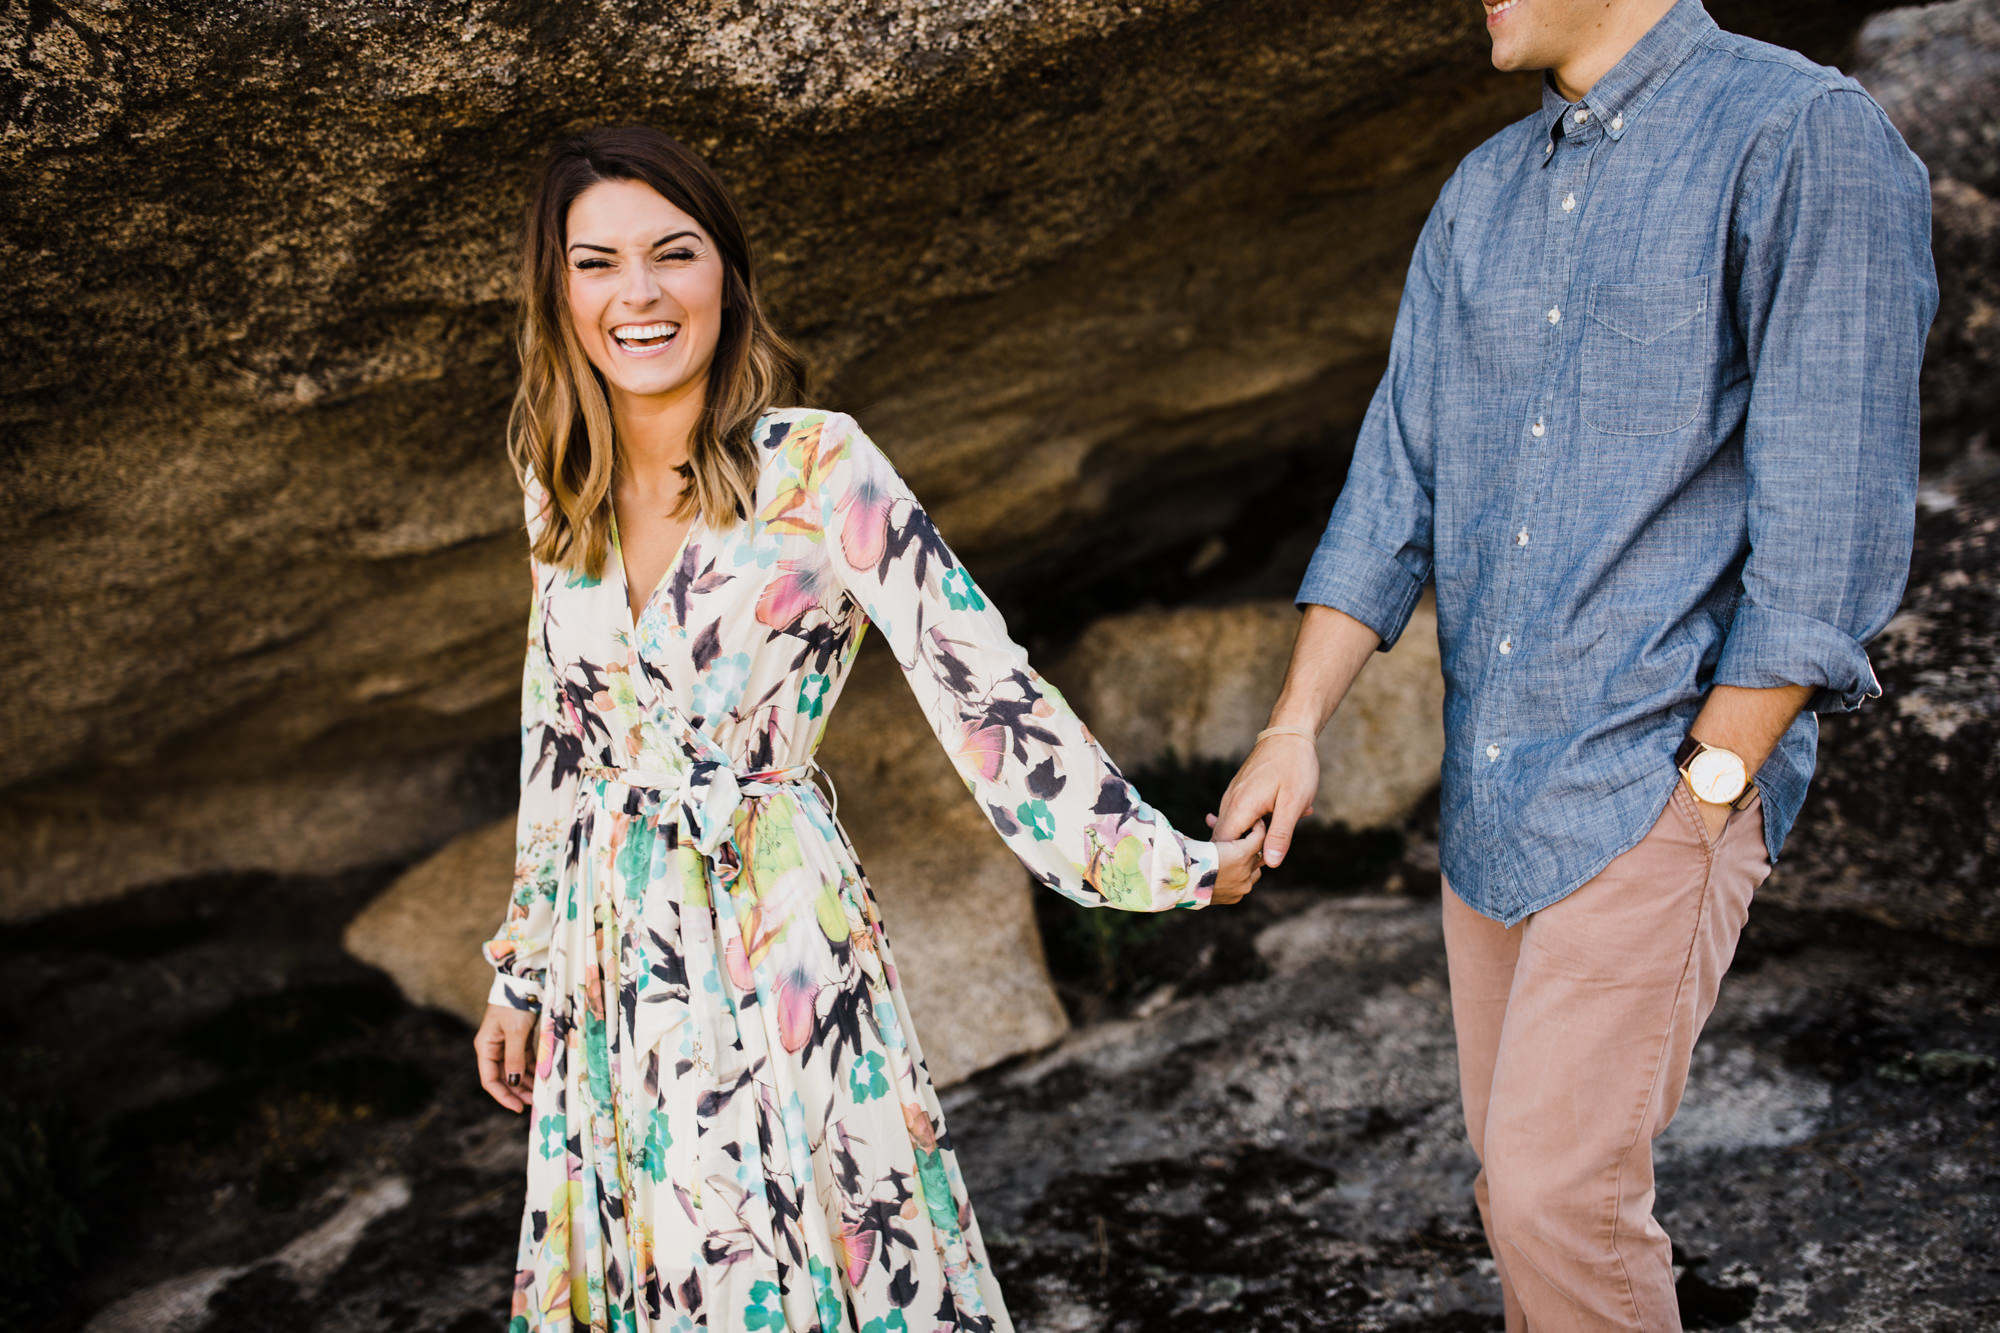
(681, 256)
(592, 263)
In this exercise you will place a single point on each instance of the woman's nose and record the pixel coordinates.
(641, 285)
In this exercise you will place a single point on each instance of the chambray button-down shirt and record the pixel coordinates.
(1650, 423)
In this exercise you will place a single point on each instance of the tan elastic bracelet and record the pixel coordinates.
(1288, 731)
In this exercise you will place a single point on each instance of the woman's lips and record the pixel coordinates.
(645, 339)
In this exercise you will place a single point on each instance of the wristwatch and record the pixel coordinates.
(1714, 774)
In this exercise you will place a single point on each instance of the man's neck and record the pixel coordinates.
(1604, 43)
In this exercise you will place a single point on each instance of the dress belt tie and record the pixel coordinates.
(708, 792)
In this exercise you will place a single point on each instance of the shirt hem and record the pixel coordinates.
(1623, 845)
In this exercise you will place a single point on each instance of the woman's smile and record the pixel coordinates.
(645, 339)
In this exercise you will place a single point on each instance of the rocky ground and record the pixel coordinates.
(219, 1123)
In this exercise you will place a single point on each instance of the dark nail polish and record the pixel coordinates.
(513, 1080)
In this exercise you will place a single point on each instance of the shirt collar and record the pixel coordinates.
(1616, 100)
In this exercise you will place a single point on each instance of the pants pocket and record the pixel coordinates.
(1684, 801)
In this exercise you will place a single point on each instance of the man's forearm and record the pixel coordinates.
(1329, 652)
(1749, 722)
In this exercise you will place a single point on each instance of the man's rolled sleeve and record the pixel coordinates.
(1376, 551)
(1367, 584)
(1836, 295)
(1767, 649)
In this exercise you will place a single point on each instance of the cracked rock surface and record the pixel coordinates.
(259, 1133)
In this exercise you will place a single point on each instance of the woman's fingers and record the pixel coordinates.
(499, 1041)
(516, 1060)
(1239, 868)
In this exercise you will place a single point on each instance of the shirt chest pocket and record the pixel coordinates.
(1645, 355)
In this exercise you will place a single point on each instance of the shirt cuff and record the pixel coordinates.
(1204, 861)
(1364, 583)
(515, 993)
(1768, 648)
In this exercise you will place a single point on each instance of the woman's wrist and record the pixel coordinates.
(1306, 734)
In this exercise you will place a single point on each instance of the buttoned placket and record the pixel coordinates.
(1563, 179)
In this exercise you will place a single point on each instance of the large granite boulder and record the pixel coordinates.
(1199, 683)
(1936, 71)
(1903, 823)
(426, 928)
(1104, 279)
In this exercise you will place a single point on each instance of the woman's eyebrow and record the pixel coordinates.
(607, 250)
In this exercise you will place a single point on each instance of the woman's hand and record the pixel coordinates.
(505, 1039)
(1240, 865)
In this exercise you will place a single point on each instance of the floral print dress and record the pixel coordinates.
(732, 1123)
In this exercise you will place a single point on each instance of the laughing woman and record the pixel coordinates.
(732, 1124)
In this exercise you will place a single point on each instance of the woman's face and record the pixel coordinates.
(645, 290)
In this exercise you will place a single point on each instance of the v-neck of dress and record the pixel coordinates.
(632, 620)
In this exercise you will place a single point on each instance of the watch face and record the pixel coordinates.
(1717, 776)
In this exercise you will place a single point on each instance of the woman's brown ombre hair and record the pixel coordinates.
(560, 430)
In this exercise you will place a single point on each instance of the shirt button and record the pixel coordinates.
(1548, 147)
(1555, 315)
(1582, 115)
(1618, 122)
(1537, 430)
(1506, 646)
(1492, 752)
(1569, 203)
(1521, 537)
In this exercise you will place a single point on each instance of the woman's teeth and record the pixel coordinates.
(645, 335)
(1494, 11)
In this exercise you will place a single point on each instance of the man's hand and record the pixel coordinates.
(1748, 722)
(1278, 781)
(503, 1045)
(1280, 776)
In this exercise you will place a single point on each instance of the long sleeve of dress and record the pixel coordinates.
(549, 773)
(1047, 786)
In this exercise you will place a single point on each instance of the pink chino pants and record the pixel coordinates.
(1575, 1028)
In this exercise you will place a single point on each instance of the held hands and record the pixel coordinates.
(1279, 780)
(502, 1045)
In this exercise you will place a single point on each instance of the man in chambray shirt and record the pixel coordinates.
(1650, 425)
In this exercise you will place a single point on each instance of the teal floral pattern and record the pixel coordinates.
(735, 1128)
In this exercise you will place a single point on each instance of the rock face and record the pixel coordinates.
(1199, 682)
(1936, 70)
(1903, 823)
(1075, 262)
